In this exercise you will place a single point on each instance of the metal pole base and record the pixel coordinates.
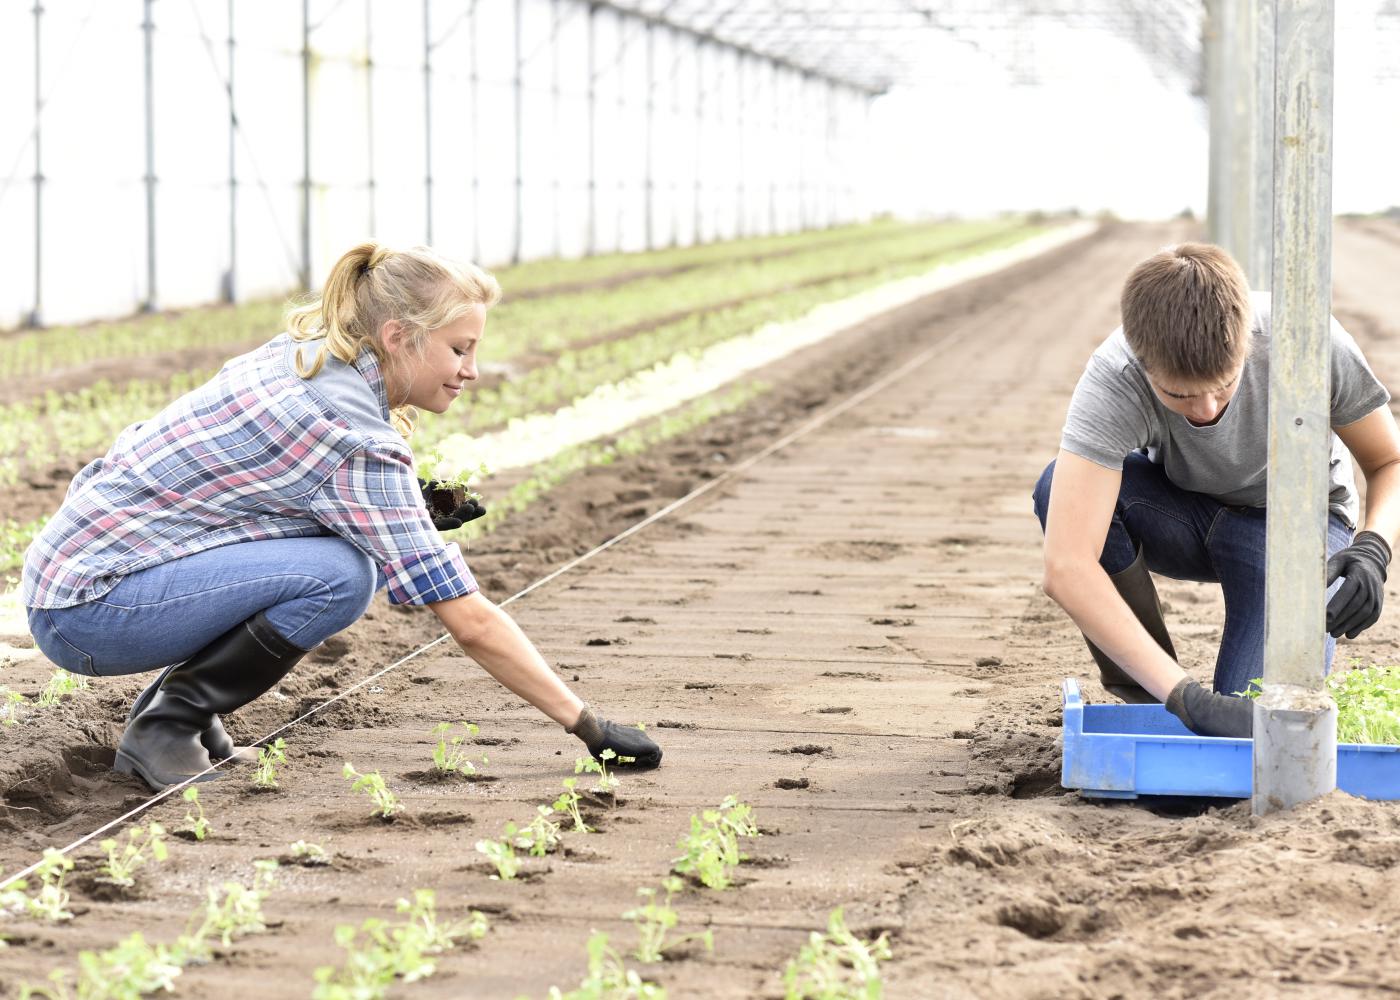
(1295, 747)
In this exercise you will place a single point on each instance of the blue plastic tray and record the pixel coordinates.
(1123, 751)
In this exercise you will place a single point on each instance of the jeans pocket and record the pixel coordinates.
(52, 644)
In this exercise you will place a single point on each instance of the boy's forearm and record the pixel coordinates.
(1088, 596)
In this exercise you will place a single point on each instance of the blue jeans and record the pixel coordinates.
(1189, 536)
(308, 588)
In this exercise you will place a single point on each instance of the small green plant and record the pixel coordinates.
(270, 758)
(1368, 703)
(448, 755)
(655, 919)
(607, 781)
(129, 970)
(501, 853)
(11, 702)
(386, 803)
(567, 803)
(60, 684)
(123, 864)
(51, 901)
(542, 835)
(378, 952)
(308, 855)
(608, 978)
(711, 849)
(233, 910)
(195, 822)
(836, 965)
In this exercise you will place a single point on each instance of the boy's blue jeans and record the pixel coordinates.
(309, 589)
(1189, 536)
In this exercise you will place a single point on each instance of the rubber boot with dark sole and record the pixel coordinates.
(1135, 586)
(163, 742)
(215, 739)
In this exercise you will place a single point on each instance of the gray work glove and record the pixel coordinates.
(1357, 603)
(1206, 713)
(599, 734)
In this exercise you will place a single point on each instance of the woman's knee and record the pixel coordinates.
(1040, 496)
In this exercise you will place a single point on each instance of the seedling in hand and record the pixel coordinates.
(836, 964)
(270, 758)
(122, 865)
(195, 821)
(60, 684)
(655, 920)
(501, 853)
(567, 802)
(386, 803)
(448, 755)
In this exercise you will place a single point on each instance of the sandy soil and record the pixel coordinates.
(850, 636)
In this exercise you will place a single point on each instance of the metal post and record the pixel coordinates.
(36, 315)
(428, 118)
(1295, 722)
(1260, 263)
(592, 241)
(1217, 105)
(148, 29)
(373, 192)
(231, 275)
(648, 182)
(519, 134)
(305, 276)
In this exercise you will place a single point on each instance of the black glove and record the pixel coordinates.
(600, 734)
(1206, 713)
(1357, 603)
(468, 511)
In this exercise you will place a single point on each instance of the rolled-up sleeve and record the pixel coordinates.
(372, 501)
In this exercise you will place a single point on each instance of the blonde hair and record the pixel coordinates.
(1187, 314)
(372, 284)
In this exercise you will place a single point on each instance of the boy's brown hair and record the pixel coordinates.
(1186, 313)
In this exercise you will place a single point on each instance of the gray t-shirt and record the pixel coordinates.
(1115, 412)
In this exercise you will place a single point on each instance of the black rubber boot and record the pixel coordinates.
(163, 742)
(215, 739)
(1135, 586)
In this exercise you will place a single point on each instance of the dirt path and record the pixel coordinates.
(859, 617)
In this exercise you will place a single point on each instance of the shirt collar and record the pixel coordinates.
(368, 367)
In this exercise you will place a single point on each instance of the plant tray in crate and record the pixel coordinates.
(1123, 751)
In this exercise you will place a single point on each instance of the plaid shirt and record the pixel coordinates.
(255, 453)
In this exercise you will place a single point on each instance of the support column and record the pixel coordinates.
(1295, 721)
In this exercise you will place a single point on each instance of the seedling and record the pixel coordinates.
(448, 755)
(131, 969)
(542, 835)
(655, 920)
(387, 951)
(1368, 703)
(609, 978)
(195, 822)
(308, 855)
(10, 705)
(51, 901)
(235, 910)
(501, 853)
(60, 684)
(270, 758)
(567, 802)
(836, 964)
(711, 849)
(607, 781)
(386, 803)
(122, 866)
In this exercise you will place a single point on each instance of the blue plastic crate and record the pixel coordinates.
(1123, 751)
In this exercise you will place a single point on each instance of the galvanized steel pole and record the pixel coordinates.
(1295, 722)
(1260, 262)
(148, 28)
